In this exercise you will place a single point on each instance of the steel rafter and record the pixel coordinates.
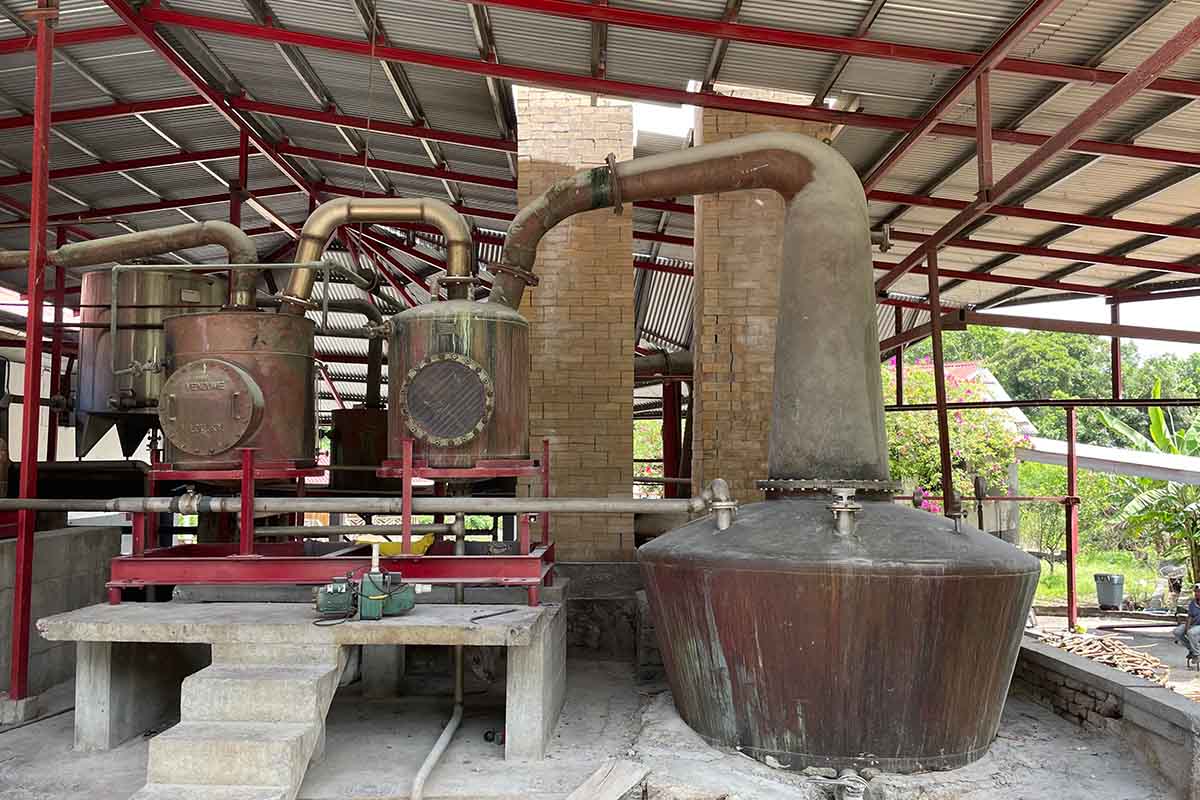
(107, 111)
(864, 25)
(145, 30)
(1034, 14)
(826, 43)
(589, 85)
(109, 167)
(500, 92)
(437, 173)
(1158, 62)
(716, 58)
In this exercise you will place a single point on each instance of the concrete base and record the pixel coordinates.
(536, 687)
(123, 689)
(14, 712)
(382, 670)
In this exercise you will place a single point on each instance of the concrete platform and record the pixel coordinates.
(292, 623)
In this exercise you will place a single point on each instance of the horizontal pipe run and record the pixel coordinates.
(995, 498)
(200, 504)
(321, 531)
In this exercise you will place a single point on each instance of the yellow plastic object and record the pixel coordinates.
(393, 548)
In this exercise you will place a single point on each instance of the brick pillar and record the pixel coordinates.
(738, 248)
(581, 320)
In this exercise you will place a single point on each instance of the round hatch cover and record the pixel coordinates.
(448, 399)
(209, 406)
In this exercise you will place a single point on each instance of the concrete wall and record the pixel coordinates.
(738, 247)
(70, 567)
(1160, 726)
(581, 320)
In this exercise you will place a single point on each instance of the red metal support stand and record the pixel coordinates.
(139, 534)
(899, 316)
(406, 498)
(246, 544)
(939, 383)
(152, 487)
(1072, 504)
(1115, 352)
(671, 433)
(18, 687)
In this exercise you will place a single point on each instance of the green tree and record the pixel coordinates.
(982, 442)
(1101, 497)
(1036, 364)
(1166, 511)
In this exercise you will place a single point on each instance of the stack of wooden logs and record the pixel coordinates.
(1111, 651)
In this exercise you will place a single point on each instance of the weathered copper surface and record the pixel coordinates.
(103, 398)
(891, 648)
(488, 336)
(359, 438)
(275, 353)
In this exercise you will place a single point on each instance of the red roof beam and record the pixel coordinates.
(1043, 215)
(105, 213)
(18, 44)
(825, 43)
(145, 29)
(1034, 14)
(1009, 280)
(396, 166)
(660, 94)
(1158, 62)
(107, 167)
(372, 125)
(108, 111)
(1049, 252)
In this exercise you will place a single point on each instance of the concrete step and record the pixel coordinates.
(233, 753)
(181, 791)
(258, 693)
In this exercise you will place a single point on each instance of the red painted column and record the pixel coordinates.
(56, 350)
(32, 390)
(1072, 520)
(671, 434)
(246, 519)
(939, 382)
(1115, 352)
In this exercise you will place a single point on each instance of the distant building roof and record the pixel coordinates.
(990, 387)
(1114, 460)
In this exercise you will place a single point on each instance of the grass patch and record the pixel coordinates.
(1140, 578)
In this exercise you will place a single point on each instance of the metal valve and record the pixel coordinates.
(844, 510)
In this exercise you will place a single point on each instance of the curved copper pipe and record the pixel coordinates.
(827, 414)
(328, 217)
(155, 242)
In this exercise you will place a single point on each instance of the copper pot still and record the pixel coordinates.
(458, 383)
(238, 379)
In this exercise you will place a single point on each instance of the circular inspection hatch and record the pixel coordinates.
(448, 399)
(209, 406)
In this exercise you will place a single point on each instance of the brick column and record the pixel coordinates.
(738, 248)
(581, 320)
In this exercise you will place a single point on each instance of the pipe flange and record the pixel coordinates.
(614, 184)
(788, 486)
(447, 399)
(525, 275)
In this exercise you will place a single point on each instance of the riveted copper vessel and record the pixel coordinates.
(238, 379)
(458, 383)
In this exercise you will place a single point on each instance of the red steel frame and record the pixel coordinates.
(18, 687)
(249, 562)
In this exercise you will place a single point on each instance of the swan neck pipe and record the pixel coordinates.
(324, 221)
(827, 419)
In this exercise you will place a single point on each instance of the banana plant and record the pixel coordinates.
(1168, 511)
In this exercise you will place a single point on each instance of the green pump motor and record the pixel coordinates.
(375, 595)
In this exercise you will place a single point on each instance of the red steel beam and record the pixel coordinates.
(1034, 14)
(372, 125)
(1023, 212)
(1050, 252)
(825, 43)
(1009, 280)
(107, 167)
(107, 33)
(107, 111)
(395, 166)
(659, 94)
(145, 30)
(18, 687)
(108, 212)
(1158, 62)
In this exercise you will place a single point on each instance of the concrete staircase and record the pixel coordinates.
(249, 724)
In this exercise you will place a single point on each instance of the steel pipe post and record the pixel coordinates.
(406, 497)
(939, 383)
(18, 687)
(246, 544)
(1072, 513)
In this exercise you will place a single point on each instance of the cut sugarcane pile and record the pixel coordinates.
(1111, 651)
